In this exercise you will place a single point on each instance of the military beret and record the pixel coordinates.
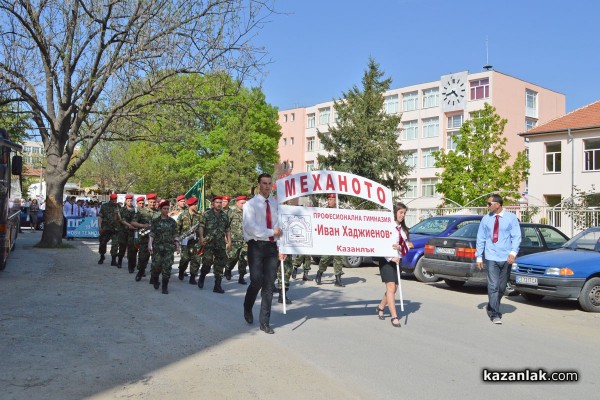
(241, 198)
(164, 203)
(129, 196)
(151, 196)
(141, 198)
(180, 197)
(217, 198)
(226, 198)
(331, 195)
(191, 201)
(113, 196)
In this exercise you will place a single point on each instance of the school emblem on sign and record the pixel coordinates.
(297, 230)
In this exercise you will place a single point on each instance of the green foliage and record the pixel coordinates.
(479, 165)
(580, 207)
(364, 139)
(14, 123)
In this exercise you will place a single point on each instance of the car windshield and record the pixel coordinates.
(467, 231)
(432, 226)
(586, 240)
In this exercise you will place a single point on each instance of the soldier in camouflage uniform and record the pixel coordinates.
(215, 236)
(142, 220)
(180, 207)
(109, 225)
(305, 261)
(162, 243)
(189, 252)
(127, 214)
(239, 248)
(226, 209)
(326, 260)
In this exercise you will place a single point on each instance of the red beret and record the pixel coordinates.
(180, 197)
(141, 198)
(191, 201)
(331, 195)
(241, 198)
(113, 196)
(129, 196)
(217, 198)
(164, 203)
(151, 196)
(226, 198)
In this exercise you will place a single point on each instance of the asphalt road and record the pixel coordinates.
(71, 329)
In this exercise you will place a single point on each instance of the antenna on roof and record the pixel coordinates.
(487, 65)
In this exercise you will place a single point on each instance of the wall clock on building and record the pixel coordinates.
(454, 91)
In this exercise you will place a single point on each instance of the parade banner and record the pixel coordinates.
(82, 227)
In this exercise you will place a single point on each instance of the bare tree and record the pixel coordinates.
(85, 69)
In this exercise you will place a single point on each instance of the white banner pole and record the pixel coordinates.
(282, 281)
(400, 286)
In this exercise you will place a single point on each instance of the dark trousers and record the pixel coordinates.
(497, 274)
(262, 262)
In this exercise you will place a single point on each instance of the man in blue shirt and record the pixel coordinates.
(498, 239)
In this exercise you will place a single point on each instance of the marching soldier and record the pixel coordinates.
(142, 220)
(162, 243)
(179, 207)
(239, 248)
(303, 260)
(326, 260)
(226, 209)
(189, 253)
(109, 224)
(127, 214)
(215, 236)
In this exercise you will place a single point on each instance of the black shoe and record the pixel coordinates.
(193, 279)
(266, 329)
(318, 278)
(201, 281)
(295, 273)
(156, 283)
(217, 288)
(181, 275)
(280, 299)
(119, 262)
(338, 281)
(227, 275)
(248, 316)
(305, 276)
(101, 260)
(131, 270)
(138, 276)
(165, 286)
(241, 280)
(113, 261)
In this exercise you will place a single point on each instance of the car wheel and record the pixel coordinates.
(352, 261)
(453, 283)
(532, 296)
(589, 298)
(422, 275)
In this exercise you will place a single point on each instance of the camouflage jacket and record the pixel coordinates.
(146, 216)
(163, 232)
(235, 224)
(127, 214)
(186, 220)
(109, 212)
(215, 225)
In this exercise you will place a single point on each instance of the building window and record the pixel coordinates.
(451, 138)
(284, 117)
(553, 157)
(310, 143)
(291, 165)
(291, 141)
(428, 187)
(431, 127)
(390, 104)
(292, 117)
(310, 120)
(530, 123)
(455, 121)
(480, 89)
(26, 149)
(410, 130)
(412, 158)
(411, 188)
(531, 104)
(284, 141)
(310, 166)
(591, 155)
(410, 101)
(428, 160)
(284, 165)
(324, 114)
(431, 97)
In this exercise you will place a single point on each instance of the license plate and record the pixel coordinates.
(445, 250)
(527, 280)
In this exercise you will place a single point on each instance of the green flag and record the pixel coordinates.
(197, 191)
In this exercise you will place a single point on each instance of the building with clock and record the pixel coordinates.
(432, 114)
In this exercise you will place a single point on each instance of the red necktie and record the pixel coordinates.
(269, 222)
(496, 229)
(403, 246)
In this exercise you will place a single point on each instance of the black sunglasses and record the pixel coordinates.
(491, 202)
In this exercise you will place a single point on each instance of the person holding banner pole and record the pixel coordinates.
(261, 230)
(389, 268)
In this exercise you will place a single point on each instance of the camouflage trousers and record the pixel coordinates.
(162, 261)
(216, 256)
(238, 255)
(105, 236)
(189, 255)
(123, 236)
(337, 264)
(143, 255)
(132, 252)
(304, 260)
(287, 272)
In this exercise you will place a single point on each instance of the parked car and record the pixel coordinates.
(25, 221)
(571, 272)
(419, 235)
(453, 258)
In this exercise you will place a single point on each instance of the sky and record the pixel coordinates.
(319, 49)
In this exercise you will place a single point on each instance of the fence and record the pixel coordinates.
(570, 222)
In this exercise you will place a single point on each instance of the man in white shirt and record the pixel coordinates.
(70, 209)
(261, 230)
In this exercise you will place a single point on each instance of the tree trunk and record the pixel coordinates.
(53, 225)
